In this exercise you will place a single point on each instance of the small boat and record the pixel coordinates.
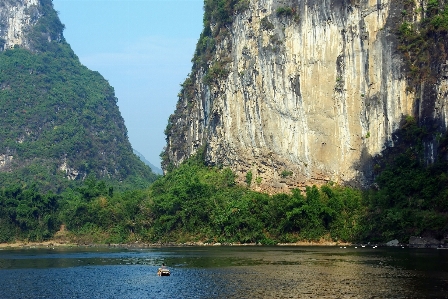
(163, 272)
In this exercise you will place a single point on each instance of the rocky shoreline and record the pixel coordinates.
(56, 244)
(414, 242)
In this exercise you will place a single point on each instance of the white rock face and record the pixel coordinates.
(307, 102)
(5, 161)
(16, 17)
(70, 173)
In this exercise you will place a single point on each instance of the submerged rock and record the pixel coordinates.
(423, 242)
(393, 243)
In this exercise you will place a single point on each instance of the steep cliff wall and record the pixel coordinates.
(301, 92)
(16, 20)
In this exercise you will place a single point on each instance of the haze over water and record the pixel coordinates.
(225, 272)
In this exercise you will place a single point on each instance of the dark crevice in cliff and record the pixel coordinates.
(424, 145)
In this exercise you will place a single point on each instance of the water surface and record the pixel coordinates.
(225, 272)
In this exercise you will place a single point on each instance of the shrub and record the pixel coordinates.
(249, 178)
(284, 11)
(242, 5)
(286, 173)
(266, 24)
(216, 72)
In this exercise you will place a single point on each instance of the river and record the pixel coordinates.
(225, 272)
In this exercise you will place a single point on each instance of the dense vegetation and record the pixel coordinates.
(424, 44)
(201, 203)
(27, 214)
(55, 111)
(91, 213)
(411, 197)
(192, 203)
(195, 202)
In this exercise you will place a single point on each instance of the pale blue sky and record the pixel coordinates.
(144, 49)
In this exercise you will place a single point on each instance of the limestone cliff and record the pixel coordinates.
(16, 21)
(302, 92)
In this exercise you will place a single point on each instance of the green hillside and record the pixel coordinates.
(59, 120)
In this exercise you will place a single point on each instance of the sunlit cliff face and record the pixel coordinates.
(307, 100)
(16, 18)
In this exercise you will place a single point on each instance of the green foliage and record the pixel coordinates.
(249, 178)
(411, 199)
(405, 29)
(284, 11)
(221, 12)
(241, 6)
(286, 173)
(55, 110)
(424, 43)
(216, 72)
(202, 203)
(27, 214)
(266, 24)
(440, 20)
(180, 199)
(95, 213)
(432, 5)
(217, 15)
(47, 33)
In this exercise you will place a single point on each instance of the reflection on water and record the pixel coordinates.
(225, 272)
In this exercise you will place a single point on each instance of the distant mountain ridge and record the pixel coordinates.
(154, 169)
(59, 120)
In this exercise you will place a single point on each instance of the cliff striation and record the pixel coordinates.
(303, 92)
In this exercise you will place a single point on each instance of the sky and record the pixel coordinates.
(144, 49)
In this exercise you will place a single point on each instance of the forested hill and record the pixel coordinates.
(59, 120)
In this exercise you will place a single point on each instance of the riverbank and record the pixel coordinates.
(45, 244)
(57, 244)
(414, 242)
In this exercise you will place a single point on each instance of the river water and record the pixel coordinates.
(225, 272)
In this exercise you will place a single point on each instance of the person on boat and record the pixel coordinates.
(163, 271)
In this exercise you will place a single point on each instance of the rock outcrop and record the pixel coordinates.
(16, 19)
(301, 92)
(424, 242)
